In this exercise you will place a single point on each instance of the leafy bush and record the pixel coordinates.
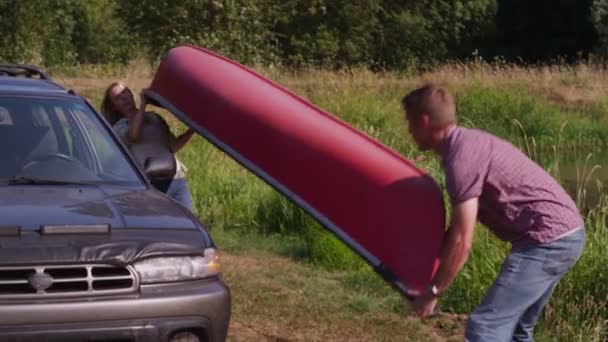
(376, 34)
(38, 32)
(239, 29)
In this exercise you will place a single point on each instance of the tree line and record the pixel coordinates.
(378, 34)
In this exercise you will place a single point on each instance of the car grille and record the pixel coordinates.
(62, 281)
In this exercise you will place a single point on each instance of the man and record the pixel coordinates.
(516, 199)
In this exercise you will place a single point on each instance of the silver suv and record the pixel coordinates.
(89, 251)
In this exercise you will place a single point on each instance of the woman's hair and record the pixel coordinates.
(107, 107)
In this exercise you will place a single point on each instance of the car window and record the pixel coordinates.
(105, 148)
(64, 131)
(59, 139)
(5, 117)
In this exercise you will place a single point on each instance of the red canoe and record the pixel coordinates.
(378, 203)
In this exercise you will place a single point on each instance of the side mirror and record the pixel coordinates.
(160, 167)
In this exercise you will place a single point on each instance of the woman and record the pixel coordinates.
(145, 133)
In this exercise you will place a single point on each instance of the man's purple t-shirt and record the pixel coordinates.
(518, 200)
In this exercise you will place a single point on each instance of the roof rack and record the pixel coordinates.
(24, 70)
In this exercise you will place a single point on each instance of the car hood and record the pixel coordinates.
(32, 206)
(143, 223)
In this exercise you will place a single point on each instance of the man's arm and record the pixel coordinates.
(455, 252)
(458, 243)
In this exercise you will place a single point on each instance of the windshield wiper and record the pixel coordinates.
(40, 181)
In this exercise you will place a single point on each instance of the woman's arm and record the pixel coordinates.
(137, 121)
(177, 143)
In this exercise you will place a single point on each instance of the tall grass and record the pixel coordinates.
(543, 111)
(577, 310)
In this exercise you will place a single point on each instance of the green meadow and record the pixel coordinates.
(557, 115)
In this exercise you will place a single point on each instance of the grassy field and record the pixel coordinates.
(293, 281)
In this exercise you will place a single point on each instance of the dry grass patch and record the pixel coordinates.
(276, 299)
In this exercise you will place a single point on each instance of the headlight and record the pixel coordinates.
(168, 269)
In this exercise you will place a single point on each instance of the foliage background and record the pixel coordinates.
(376, 34)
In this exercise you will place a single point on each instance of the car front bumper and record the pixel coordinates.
(154, 314)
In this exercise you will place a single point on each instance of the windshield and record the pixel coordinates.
(58, 140)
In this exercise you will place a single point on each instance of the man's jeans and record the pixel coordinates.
(528, 276)
(178, 190)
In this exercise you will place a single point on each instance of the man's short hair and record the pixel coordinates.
(432, 100)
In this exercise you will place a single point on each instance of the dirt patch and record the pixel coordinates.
(277, 299)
